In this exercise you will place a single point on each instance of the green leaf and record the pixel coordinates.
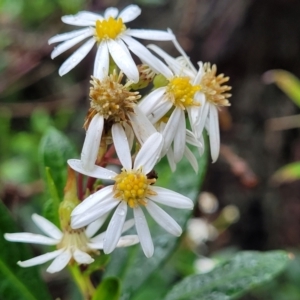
(287, 173)
(55, 149)
(16, 282)
(287, 82)
(232, 279)
(109, 288)
(130, 264)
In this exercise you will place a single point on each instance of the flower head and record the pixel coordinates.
(112, 37)
(133, 187)
(72, 244)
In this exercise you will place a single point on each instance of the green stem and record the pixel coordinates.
(83, 282)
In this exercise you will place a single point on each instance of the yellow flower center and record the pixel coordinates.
(109, 29)
(181, 92)
(111, 99)
(133, 187)
(213, 86)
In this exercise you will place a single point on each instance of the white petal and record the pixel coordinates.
(47, 227)
(26, 237)
(130, 13)
(111, 12)
(96, 244)
(121, 146)
(68, 35)
(198, 129)
(70, 43)
(143, 231)
(92, 200)
(82, 257)
(60, 262)
(76, 57)
(83, 18)
(91, 143)
(214, 133)
(101, 64)
(160, 110)
(93, 227)
(146, 56)
(170, 198)
(191, 158)
(200, 74)
(127, 225)
(179, 138)
(149, 102)
(38, 260)
(171, 128)
(141, 126)
(94, 213)
(170, 157)
(114, 228)
(155, 35)
(130, 134)
(191, 139)
(96, 172)
(128, 240)
(149, 153)
(163, 219)
(123, 60)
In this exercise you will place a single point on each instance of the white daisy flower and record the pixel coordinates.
(134, 188)
(112, 37)
(72, 244)
(113, 109)
(211, 95)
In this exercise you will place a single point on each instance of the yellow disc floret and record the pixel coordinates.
(109, 29)
(181, 92)
(133, 187)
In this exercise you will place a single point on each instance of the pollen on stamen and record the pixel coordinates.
(109, 29)
(181, 92)
(213, 86)
(111, 99)
(133, 187)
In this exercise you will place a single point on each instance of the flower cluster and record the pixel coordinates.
(131, 130)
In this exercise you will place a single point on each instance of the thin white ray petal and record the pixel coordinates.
(198, 129)
(96, 245)
(114, 228)
(214, 133)
(191, 158)
(149, 153)
(141, 125)
(121, 145)
(96, 172)
(155, 35)
(171, 198)
(191, 139)
(27, 237)
(60, 262)
(146, 56)
(170, 129)
(68, 35)
(93, 227)
(38, 260)
(123, 60)
(82, 257)
(130, 134)
(111, 12)
(149, 102)
(143, 232)
(96, 212)
(83, 18)
(170, 157)
(127, 225)
(101, 64)
(91, 143)
(179, 138)
(92, 200)
(70, 43)
(160, 110)
(76, 57)
(47, 227)
(130, 13)
(163, 219)
(200, 73)
(128, 240)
